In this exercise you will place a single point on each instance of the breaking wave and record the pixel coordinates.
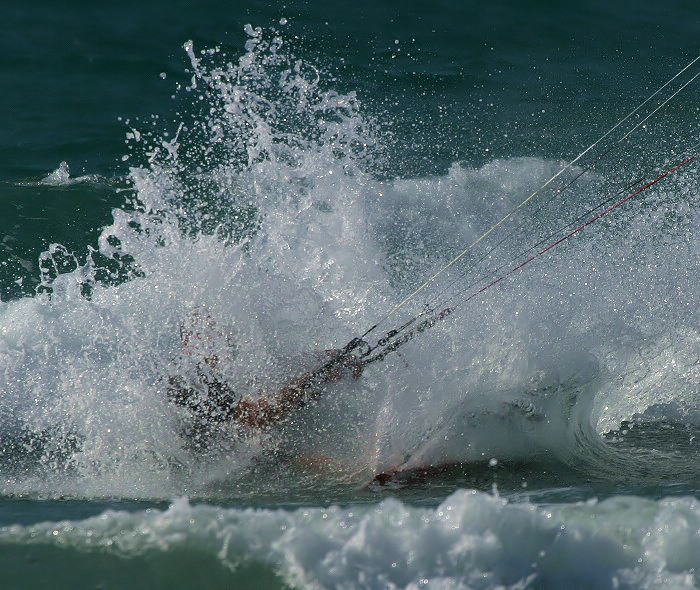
(471, 540)
(266, 209)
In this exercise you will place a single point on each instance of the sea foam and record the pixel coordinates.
(471, 540)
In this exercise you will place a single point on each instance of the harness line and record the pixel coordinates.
(317, 376)
(542, 187)
(429, 322)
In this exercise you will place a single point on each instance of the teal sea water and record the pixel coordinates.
(290, 172)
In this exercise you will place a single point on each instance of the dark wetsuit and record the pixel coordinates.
(210, 401)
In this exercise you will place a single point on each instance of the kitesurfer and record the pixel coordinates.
(211, 401)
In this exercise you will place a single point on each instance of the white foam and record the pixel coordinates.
(543, 364)
(471, 540)
(61, 177)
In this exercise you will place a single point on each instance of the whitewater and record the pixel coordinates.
(264, 204)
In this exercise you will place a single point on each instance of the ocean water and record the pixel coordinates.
(290, 172)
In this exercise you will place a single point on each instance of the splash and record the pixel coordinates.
(262, 211)
(61, 177)
(245, 211)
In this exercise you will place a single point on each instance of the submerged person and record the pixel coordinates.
(212, 402)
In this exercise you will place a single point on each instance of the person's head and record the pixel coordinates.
(202, 339)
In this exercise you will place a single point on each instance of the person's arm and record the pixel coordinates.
(267, 411)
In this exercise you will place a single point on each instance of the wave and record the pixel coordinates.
(471, 540)
(61, 177)
(267, 207)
